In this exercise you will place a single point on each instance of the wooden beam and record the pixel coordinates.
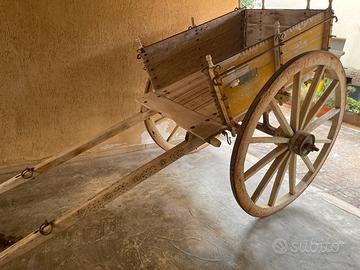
(102, 198)
(197, 124)
(275, 140)
(277, 52)
(219, 98)
(77, 150)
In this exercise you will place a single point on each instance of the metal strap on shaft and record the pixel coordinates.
(27, 173)
(46, 228)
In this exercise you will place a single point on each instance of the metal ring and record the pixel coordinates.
(280, 37)
(27, 173)
(215, 82)
(44, 226)
(217, 68)
(336, 18)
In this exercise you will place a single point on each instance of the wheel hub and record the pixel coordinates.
(302, 143)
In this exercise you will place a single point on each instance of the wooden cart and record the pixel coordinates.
(262, 75)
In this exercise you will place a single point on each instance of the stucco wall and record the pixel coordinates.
(68, 69)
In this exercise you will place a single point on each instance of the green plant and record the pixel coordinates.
(247, 3)
(351, 89)
(353, 105)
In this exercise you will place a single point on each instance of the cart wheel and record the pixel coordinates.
(164, 131)
(298, 139)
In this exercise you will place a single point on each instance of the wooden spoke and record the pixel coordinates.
(316, 108)
(172, 133)
(308, 164)
(285, 126)
(267, 177)
(159, 120)
(292, 173)
(295, 102)
(321, 120)
(323, 141)
(310, 94)
(278, 180)
(269, 140)
(265, 160)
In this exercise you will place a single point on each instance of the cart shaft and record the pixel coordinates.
(102, 198)
(74, 151)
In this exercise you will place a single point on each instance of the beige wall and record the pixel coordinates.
(68, 69)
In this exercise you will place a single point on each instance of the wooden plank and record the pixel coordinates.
(284, 16)
(192, 121)
(77, 150)
(176, 57)
(193, 95)
(259, 21)
(209, 110)
(98, 201)
(184, 85)
(204, 98)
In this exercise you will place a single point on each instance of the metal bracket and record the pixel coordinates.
(193, 25)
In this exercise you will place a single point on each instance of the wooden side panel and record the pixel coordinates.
(238, 99)
(243, 75)
(298, 41)
(174, 58)
(260, 24)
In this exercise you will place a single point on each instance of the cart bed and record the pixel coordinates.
(179, 72)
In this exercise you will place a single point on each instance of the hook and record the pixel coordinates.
(228, 138)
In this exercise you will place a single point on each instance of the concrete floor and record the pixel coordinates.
(340, 176)
(184, 217)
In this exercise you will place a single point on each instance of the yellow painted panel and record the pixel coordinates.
(239, 98)
(308, 41)
(245, 55)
